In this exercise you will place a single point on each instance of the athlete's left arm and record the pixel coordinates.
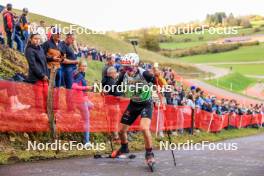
(150, 77)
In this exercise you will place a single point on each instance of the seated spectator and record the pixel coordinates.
(14, 103)
(110, 80)
(113, 109)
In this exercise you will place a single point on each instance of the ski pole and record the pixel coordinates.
(158, 117)
(172, 152)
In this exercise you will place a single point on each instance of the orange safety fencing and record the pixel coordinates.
(76, 112)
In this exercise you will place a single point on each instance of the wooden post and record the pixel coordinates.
(53, 66)
(50, 101)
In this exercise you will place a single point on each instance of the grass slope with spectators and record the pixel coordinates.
(13, 145)
(106, 43)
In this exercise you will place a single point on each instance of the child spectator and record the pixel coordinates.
(80, 89)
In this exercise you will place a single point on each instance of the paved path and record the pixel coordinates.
(216, 71)
(223, 93)
(248, 160)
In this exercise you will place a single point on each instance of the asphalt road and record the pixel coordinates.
(247, 160)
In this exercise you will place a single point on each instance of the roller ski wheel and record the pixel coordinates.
(122, 154)
(150, 161)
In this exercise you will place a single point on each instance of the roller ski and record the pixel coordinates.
(117, 154)
(122, 153)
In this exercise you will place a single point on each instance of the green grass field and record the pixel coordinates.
(257, 23)
(238, 81)
(249, 69)
(243, 54)
(181, 45)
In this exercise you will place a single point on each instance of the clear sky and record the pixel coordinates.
(120, 15)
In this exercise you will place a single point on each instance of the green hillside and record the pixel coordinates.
(106, 43)
(243, 54)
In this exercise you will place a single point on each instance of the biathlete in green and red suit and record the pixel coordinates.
(135, 79)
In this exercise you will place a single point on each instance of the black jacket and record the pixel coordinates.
(37, 63)
(108, 81)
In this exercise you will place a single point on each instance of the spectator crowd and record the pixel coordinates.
(43, 49)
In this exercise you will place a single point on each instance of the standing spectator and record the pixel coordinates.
(110, 61)
(75, 48)
(38, 71)
(53, 46)
(41, 30)
(80, 89)
(53, 43)
(68, 66)
(8, 19)
(24, 24)
(18, 36)
(49, 33)
(117, 62)
(2, 40)
(94, 54)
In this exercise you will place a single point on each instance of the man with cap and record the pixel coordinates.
(9, 22)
